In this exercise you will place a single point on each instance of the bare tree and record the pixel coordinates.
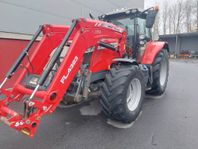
(174, 17)
(197, 14)
(194, 15)
(179, 15)
(156, 30)
(170, 20)
(188, 15)
(165, 16)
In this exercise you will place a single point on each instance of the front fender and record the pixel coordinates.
(151, 51)
(125, 61)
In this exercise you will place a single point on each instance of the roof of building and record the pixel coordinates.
(194, 34)
(18, 36)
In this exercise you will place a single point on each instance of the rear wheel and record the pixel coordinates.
(160, 73)
(122, 93)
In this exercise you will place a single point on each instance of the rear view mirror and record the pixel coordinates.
(91, 16)
(150, 18)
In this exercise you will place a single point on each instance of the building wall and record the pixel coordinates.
(189, 43)
(172, 42)
(24, 16)
(184, 42)
(10, 49)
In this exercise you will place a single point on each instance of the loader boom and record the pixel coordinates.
(40, 100)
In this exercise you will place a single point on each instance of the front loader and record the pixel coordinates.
(113, 57)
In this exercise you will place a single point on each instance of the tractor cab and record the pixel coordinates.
(138, 25)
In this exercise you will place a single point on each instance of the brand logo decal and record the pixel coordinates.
(69, 70)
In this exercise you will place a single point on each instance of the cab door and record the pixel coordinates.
(144, 36)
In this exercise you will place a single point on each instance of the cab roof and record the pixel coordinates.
(122, 14)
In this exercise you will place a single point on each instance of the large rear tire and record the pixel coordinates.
(160, 73)
(122, 93)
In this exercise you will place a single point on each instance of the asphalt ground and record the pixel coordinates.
(167, 122)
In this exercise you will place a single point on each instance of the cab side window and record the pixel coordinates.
(142, 30)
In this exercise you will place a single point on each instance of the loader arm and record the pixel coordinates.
(39, 101)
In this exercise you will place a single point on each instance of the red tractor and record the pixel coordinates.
(113, 56)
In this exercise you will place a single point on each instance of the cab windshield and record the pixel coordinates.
(129, 25)
(126, 23)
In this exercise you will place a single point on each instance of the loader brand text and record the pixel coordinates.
(69, 70)
(106, 25)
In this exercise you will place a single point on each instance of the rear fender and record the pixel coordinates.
(151, 51)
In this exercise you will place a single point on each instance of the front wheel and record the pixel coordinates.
(160, 73)
(122, 93)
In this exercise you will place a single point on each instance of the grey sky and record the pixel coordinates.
(149, 3)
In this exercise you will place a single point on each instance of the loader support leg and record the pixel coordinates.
(53, 59)
(21, 57)
(25, 51)
(56, 54)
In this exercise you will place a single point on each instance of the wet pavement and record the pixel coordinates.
(167, 122)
